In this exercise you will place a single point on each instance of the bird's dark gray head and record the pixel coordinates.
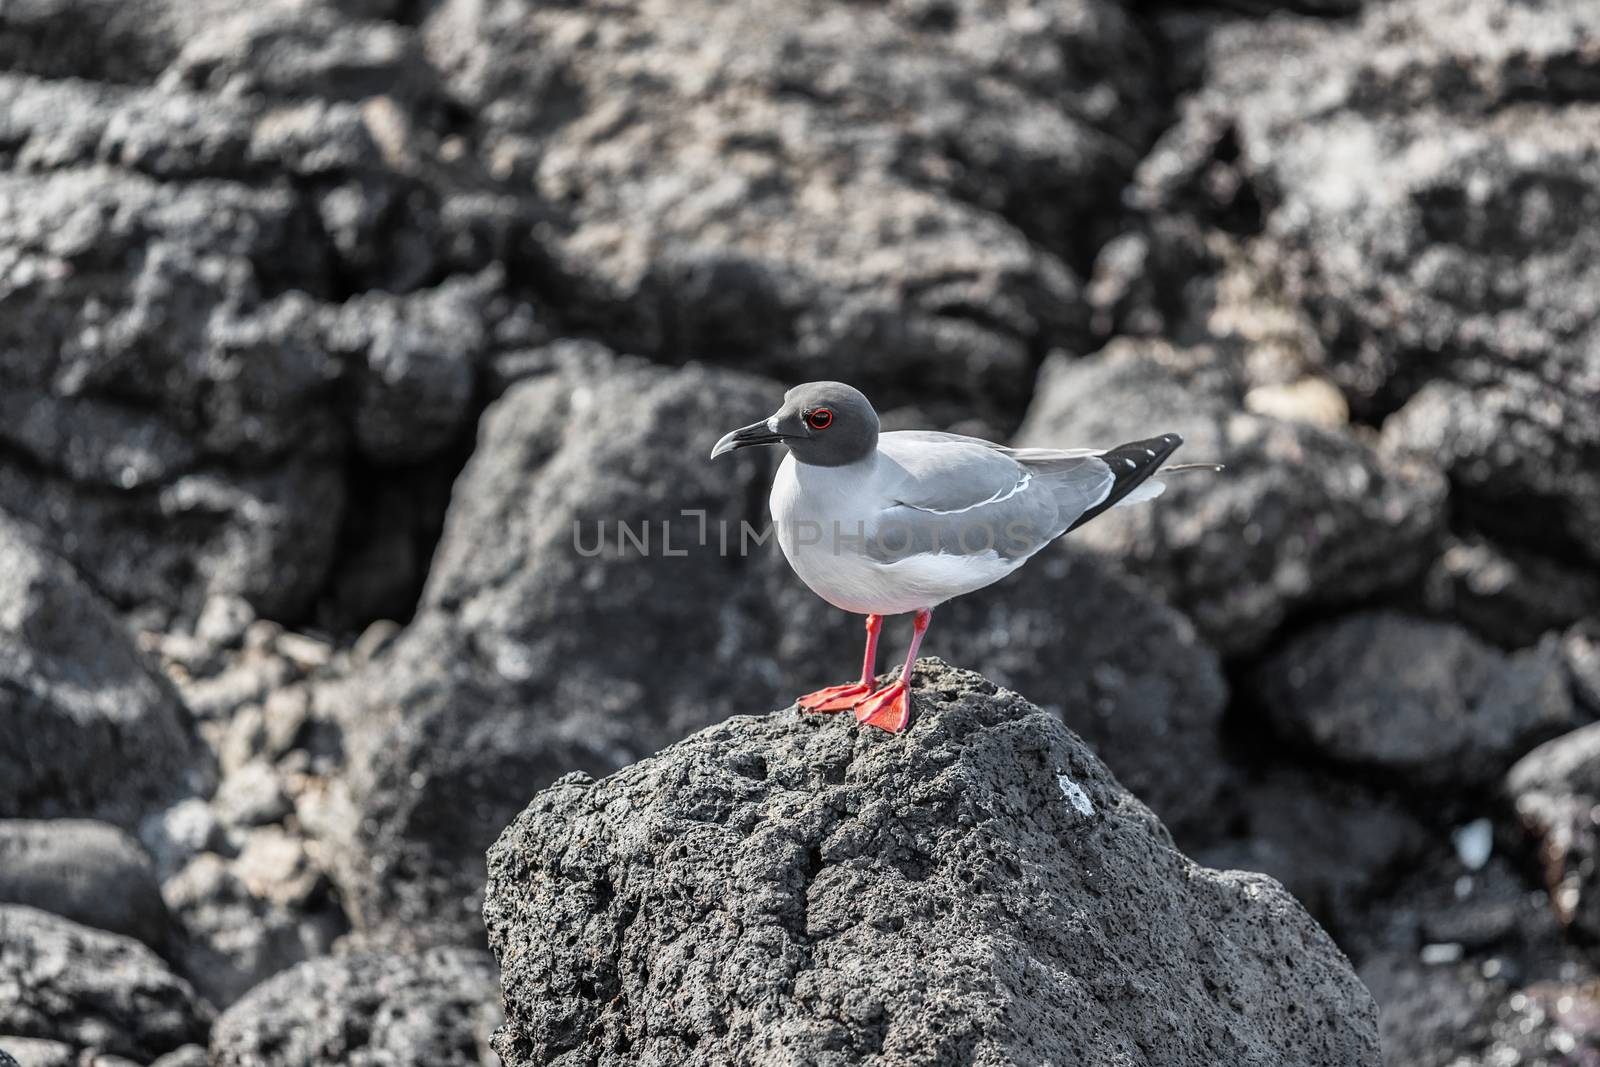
(826, 424)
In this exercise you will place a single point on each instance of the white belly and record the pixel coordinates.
(815, 529)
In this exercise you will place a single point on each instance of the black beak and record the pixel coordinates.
(757, 433)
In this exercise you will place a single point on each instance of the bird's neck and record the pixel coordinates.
(821, 474)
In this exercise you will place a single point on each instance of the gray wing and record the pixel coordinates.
(964, 496)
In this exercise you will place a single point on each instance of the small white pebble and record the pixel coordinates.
(1567, 899)
(1446, 952)
(308, 653)
(1074, 794)
(1474, 843)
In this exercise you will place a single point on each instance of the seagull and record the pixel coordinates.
(894, 523)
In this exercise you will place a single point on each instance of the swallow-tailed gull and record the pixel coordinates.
(888, 523)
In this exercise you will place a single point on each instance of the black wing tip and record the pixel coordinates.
(1131, 464)
(1146, 454)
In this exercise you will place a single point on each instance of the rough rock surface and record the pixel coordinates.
(1302, 516)
(234, 934)
(529, 658)
(187, 1056)
(900, 196)
(1556, 790)
(1128, 674)
(36, 1052)
(88, 727)
(1407, 198)
(1333, 843)
(1512, 597)
(793, 889)
(1471, 967)
(226, 287)
(533, 655)
(1580, 646)
(86, 871)
(1422, 703)
(62, 981)
(435, 1009)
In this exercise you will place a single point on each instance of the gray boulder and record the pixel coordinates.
(1511, 596)
(88, 727)
(535, 653)
(529, 657)
(103, 39)
(36, 1052)
(1421, 703)
(289, 51)
(240, 924)
(793, 889)
(1519, 454)
(223, 299)
(1333, 843)
(89, 872)
(187, 1056)
(435, 1009)
(1302, 517)
(1581, 647)
(1555, 789)
(1412, 191)
(1098, 650)
(1547, 1021)
(1475, 969)
(251, 795)
(920, 232)
(66, 982)
(1439, 1014)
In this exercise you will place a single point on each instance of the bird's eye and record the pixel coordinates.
(820, 419)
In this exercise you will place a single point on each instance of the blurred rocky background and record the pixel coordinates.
(323, 324)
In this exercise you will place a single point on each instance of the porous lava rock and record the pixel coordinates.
(88, 725)
(433, 1009)
(797, 889)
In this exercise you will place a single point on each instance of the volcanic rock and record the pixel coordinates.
(1413, 191)
(66, 982)
(86, 871)
(88, 727)
(894, 195)
(1422, 703)
(1301, 517)
(436, 1009)
(796, 889)
(1556, 790)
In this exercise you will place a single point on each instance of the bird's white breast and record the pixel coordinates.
(820, 513)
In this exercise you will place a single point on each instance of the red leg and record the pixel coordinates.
(843, 697)
(890, 707)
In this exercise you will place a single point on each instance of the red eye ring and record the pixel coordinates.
(820, 419)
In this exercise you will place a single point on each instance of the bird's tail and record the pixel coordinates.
(1153, 488)
(1131, 465)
